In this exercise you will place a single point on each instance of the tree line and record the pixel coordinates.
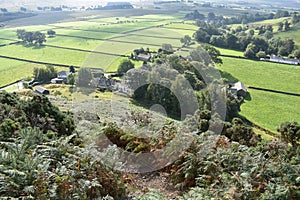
(244, 39)
(221, 21)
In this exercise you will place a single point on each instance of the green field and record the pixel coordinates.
(294, 34)
(230, 52)
(143, 31)
(271, 21)
(264, 108)
(11, 71)
(268, 110)
(94, 26)
(263, 74)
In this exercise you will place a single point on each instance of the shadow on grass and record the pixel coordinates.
(147, 105)
(248, 97)
(86, 90)
(32, 46)
(228, 76)
(37, 47)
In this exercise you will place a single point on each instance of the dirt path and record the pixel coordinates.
(158, 181)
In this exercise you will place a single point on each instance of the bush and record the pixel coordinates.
(124, 66)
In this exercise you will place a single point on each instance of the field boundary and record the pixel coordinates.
(114, 32)
(40, 62)
(274, 91)
(112, 40)
(85, 50)
(6, 85)
(268, 132)
(75, 49)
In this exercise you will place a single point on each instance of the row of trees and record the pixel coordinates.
(221, 21)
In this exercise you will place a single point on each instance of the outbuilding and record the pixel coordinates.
(238, 89)
(42, 90)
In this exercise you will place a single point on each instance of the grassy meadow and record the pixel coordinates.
(263, 74)
(293, 34)
(11, 70)
(264, 108)
(104, 34)
(268, 110)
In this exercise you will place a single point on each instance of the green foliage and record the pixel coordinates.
(282, 13)
(71, 79)
(163, 85)
(124, 66)
(44, 74)
(127, 141)
(31, 38)
(186, 40)
(200, 55)
(17, 114)
(152, 195)
(290, 132)
(195, 15)
(167, 48)
(240, 132)
(233, 107)
(296, 54)
(261, 54)
(51, 33)
(42, 159)
(84, 77)
(214, 54)
(228, 170)
(202, 36)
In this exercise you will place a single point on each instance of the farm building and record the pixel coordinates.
(42, 90)
(144, 57)
(63, 75)
(103, 83)
(279, 59)
(238, 89)
(57, 81)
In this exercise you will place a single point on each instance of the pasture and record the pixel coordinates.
(106, 35)
(268, 110)
(293, 34)
(264, 108)
(110, 37)
(11, 70)
(272, 21)
(263, 74)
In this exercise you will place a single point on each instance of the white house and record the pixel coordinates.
(279, 59)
